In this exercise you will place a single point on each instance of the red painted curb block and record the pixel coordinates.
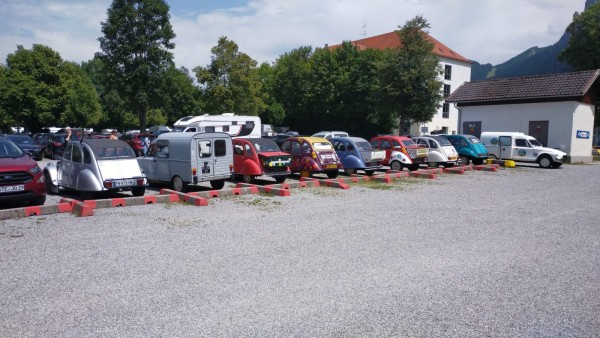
(150, 199)
(38, 210)
(487, 167)
(460, 171)
(335, 184)
(314, 181)
(80, 209)
(173, 195)
(422, 175)
(383, 178)
(32, 211)
(274, 190)
(192, 197)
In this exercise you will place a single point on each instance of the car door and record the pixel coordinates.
(523, 150)
(206, 159)
(505, 143)
(65, 166)
(76, 164)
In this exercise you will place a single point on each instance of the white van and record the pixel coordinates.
(329, 134)
(234, 125)
(520, 147)
(183, 159)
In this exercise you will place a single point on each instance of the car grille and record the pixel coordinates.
(15, 177)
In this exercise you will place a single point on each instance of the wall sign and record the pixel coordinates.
(583, 134)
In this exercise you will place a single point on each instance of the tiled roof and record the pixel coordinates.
(540, 87)
(392, 40)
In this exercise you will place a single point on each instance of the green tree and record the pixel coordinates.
(408, 84)
(180, 96)
(231, 82)
(584, 43)
(135, 51)
(39, 89)
(274, 113)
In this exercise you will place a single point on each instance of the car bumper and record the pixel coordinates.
(20, 197)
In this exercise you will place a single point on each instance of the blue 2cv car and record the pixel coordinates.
(356, 153)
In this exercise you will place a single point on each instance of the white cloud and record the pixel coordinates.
(487, 31)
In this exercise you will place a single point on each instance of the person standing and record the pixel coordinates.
(145, 143)
(113, 135)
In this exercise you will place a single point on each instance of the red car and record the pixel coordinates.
(135, 142)
(254, 157)
(312, 155)
(400, 144)
(21, 179)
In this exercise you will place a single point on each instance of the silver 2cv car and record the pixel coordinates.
(95, 165)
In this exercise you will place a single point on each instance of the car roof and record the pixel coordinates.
(99, 143)
(309, 139)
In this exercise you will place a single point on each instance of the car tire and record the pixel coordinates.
(448, 165)
(138, 191)
(177, 184)
(332, 173)
(413, 167)
(280, 179)
(248, 179)
(478, 161)
(369, 172)
(349, 171)
(545, 162)
(217, 184)
(396, 166)
(464, 160)
(556, 165)
(492, 156)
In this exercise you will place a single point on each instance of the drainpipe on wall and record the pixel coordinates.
(459, 119)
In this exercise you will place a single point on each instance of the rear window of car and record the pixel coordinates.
(474, 139)
(364, 146)
(9, 149)
(408, 143)
(322, 146)
(113, 153)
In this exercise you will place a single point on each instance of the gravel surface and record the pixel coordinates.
(508, 254)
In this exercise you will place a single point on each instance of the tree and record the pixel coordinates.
(39, 89)
(135, 51)
(408, 84)
(231, 82)
(179, 94)
(584, 43)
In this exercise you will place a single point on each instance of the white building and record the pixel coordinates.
(557, 109)
(457, 70)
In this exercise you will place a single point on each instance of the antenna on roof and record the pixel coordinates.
(364, 32)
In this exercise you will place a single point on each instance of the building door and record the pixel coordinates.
(539, 130)
(472, 128)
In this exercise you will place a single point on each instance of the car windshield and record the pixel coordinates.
(535, 142)
(265, 145)
(21, 139)
(322, 146)
(10, 150)
(473, 139)
(442, 141)
(408, 143)
(364, 146)
(113, 153)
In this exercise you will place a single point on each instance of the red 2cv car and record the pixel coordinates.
(254, 157)
(400, 152)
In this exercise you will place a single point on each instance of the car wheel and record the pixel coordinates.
(396, 166)
(464, 160)
(249, 179)
(413, 167)
(217, 184)
(478, 161)
(177, 184)
(332, 173)
(556, 165)
(492, 156)
(138, 191)
(448, 165)
(39, 200)
(50, 187)
(349, 171)
(369, 172)
(86, 195)
(280, 179)
(545, 162)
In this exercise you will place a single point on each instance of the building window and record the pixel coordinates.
(446, 90)
(446, 110)
(448, 72)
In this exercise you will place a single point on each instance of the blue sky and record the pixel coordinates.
(482, 30)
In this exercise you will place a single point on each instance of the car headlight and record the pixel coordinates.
(34, 170)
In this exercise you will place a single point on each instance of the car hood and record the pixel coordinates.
(551, 151)
(117, 169)
(16, 164)
(26, 146)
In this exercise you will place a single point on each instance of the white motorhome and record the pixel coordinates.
(520, 147)
(234, 125)
(183, 159)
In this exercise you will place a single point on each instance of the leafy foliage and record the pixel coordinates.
(584, 44)
(39, 89)
(231, 83)
(135, 52)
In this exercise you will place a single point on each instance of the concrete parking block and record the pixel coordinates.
(487, 167)
(455, 170)
(79, 208)
(35, 211)
(423, 174)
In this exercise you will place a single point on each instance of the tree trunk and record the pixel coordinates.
(143, 115)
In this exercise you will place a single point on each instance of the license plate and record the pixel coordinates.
(331, 166)
(124, 183)
(12, 188)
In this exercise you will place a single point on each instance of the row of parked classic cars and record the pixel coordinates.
(183, 159)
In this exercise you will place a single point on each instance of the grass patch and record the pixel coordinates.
(323, 191)
(374, 185)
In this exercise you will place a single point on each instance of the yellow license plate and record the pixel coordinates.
(331, 166)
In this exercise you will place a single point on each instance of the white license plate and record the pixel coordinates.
(124, 183)
(12, 188)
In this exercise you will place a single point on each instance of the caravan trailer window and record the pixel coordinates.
(220, 148)
(204, 148)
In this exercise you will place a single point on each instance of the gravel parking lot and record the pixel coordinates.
(513, 253)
